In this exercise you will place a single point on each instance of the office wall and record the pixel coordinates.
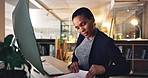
(2, 19)
(145, 29)
(45, 24)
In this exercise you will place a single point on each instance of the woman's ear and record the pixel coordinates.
(93, 20)
(94, 24)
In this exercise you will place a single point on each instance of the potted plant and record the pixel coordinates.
(12, 57)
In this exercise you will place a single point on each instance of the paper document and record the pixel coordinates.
(80, 74)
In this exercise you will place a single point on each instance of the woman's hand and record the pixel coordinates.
(94, 70)
(74, 67)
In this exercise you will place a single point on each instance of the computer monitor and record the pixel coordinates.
(24, 34)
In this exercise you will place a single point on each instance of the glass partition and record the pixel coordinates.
(68, 31)
(128, 22)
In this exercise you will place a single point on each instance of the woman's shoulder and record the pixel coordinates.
(101, 36)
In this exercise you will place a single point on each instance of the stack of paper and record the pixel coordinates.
(80, 74)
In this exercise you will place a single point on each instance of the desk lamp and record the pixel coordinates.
(134, 22)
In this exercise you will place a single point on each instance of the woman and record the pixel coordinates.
(95, 51)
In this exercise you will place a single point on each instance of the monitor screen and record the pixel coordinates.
(24, 34)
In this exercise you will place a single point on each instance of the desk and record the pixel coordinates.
(62, 66)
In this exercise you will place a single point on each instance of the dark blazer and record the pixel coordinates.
(105, 52)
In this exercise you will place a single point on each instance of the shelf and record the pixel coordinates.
(139, 59)
(46, 47)
(135, 52)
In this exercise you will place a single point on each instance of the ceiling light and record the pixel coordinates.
(128, 10)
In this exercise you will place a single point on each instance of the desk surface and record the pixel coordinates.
(62, 66)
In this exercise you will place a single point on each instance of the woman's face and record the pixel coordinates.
(84, 26)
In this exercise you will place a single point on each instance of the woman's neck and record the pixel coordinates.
(93, 34)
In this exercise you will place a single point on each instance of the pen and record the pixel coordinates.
(43, 60)
(36, 71)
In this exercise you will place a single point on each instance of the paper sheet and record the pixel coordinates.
(80, 74)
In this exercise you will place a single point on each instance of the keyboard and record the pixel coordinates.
(50, 69)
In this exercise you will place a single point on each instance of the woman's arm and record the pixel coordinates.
(119, 65)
